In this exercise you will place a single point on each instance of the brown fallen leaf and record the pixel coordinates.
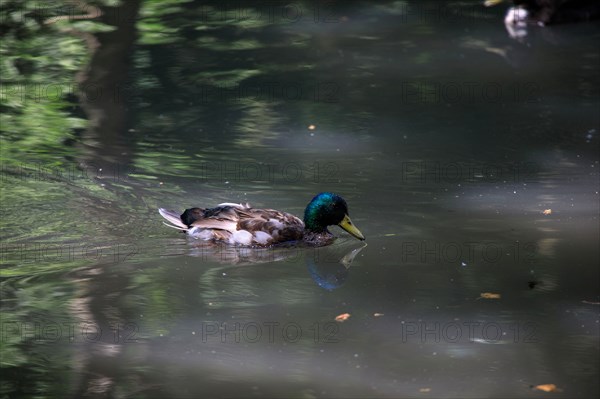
(488, 295)
(342, 317)
(425, 390)
(547, 211)
(546, 388)
(377, 314)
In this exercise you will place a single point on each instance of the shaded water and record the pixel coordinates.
(448, 140)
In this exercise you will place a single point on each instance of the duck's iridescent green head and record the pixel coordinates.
(327, 209)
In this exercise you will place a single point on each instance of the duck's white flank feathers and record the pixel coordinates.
(262, 238)
(241, 237)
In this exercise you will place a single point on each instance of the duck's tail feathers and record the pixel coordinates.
(173, 218)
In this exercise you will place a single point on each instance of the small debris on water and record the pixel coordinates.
(489, 295)
(342, 317)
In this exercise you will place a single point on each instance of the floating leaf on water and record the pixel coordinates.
(546, 388)
(488, 295)
(378, 314)
(342, 317)
(547, 211)
(424, 390)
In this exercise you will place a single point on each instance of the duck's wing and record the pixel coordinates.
(243, 225)
(221, 217)
(269, 226)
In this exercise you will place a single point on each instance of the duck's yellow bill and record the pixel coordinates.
(347, 225)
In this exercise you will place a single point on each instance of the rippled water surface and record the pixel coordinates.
(468, 159)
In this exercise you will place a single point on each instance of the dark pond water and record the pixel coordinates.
(468, 159)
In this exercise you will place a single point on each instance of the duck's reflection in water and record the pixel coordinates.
(328, 266)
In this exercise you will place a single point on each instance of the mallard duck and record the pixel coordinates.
(240, 224)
